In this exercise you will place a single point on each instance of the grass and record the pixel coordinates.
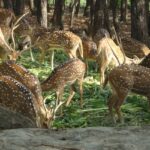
(94, 112)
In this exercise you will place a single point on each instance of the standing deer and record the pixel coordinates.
(67, 73)
(64, 40)
(124, 79)
(110, 54)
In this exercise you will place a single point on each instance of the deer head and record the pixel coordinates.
(9, 51)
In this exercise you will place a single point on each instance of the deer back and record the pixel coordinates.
(109, 51)
(16, 97)
(18, 72)
(66, 73)
(133, 47)
(132, 77)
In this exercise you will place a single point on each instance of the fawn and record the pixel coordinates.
(126, 78)
(67, 73)
(20, 78)
(61, 40)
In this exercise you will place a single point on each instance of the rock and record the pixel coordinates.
(10, 120)
(94, 138)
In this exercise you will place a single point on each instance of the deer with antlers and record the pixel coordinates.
(5, 33)
(66, 74)
(21, 92)
(59, 40)
(124, 79)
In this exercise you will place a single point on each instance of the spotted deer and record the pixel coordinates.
(89, 49)
(90, 52)
(16, 97)
(61, 40)
(124, 79)
(21, 74)
(28, 83)
(110, 54)
(66, 74)
(7, 51)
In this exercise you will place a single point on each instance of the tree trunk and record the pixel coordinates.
(76, 3)
(98, 15)
(58, 14)
(148, 15)
(123, 10)
(42, 12)
(87, 8)
(8, 4)
(139, 28)
(114, 4)
(19, 7)
(32, 6)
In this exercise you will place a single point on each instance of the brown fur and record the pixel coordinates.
(109, 54)
(24, 83)
(67, 73)
(124, 79)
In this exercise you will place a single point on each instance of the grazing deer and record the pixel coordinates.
(21, 74)
(110, 54)
(124, 79)
(89, 49)
(17, 97)
(64, 40)
(67, 73)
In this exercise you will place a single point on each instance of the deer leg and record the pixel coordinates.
(87, 67)
(31, 55)
(72, 92)
(42, 55)
(121, 97)
(52, 59)
(102, 68)
(59, 95)
(80, 82)
(111, 103)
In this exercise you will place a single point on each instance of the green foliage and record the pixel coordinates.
(94, 112)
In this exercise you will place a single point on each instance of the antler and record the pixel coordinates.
(15, 26)
(4, 41)
(52, 111)
(119, 42)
